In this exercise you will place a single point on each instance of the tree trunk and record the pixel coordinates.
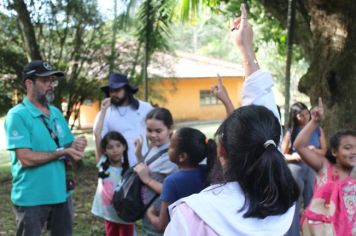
(290, 34)
(332, 70)
(145, 74)
(147, 47)
(326, 30)
(27, 30)
(113, 40)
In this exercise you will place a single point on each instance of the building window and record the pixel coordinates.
(208, 98)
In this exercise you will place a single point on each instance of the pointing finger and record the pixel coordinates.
(219, 81)
(320, 102)
(243, 12)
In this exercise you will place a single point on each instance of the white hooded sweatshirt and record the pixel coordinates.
(216, 212)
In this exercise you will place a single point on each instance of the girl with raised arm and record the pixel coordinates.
(299, 116)
(332, 209)
(251, 198)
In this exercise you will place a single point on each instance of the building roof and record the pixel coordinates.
(188, 65)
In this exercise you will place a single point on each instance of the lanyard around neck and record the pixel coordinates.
(53, 135)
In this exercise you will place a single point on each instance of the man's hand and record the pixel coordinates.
(105, 103)
(80, 143)
(74, 154)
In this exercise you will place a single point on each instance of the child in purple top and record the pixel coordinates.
(188, 148)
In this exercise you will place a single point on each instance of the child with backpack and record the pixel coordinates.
(112, 164)
(188, 148)
(332, 209)
(159, 123)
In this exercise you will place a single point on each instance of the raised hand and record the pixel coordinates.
(105, 103)
(317, 113)
(138, 148)
(219, 90)
(242, 30)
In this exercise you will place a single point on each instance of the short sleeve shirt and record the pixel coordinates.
(102, 204)
(43, 184)
(183, 183)
(130, 123)
(162, 165)
(314, 139)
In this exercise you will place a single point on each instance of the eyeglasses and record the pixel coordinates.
(49, 80)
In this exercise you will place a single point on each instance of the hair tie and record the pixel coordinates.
(269, 142)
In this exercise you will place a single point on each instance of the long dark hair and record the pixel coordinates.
(197, 147)
(335, 142)
(293, 124)
(262, 172)
(195, 144)
(134, 103)
(113, 135)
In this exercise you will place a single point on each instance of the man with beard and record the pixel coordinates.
(41, 146)
(126, 114)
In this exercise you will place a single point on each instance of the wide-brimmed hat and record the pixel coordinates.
(39, 68)
(117, 80)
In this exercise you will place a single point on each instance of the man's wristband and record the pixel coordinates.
(62, 157)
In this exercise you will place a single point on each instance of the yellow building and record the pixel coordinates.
(184, 88)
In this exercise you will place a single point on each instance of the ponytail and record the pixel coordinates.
(250, 136)
(268, 185)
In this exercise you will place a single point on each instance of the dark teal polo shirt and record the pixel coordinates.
(43, 184)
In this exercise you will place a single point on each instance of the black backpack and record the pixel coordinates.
(127, 199)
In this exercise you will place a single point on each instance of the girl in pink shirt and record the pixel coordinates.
(332, 210)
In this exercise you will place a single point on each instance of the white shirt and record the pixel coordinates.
(130, 123)
(102, 203)
(218, 206)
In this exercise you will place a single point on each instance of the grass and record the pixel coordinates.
(85, 224)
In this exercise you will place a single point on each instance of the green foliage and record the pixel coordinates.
(11, 61)
(154, 18)
(209, 37)
(190, 10)
(70, 35)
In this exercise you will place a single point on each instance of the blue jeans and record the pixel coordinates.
(30, 220)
